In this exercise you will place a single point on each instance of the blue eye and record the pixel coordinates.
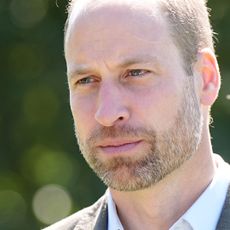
(84, 81)
(137, 72)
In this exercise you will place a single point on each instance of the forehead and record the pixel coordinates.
(115, 29)
(99, 15)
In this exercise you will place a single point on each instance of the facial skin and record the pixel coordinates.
(136, 113)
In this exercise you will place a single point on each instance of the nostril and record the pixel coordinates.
(108, 116)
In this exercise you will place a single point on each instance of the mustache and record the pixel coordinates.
(120, 132)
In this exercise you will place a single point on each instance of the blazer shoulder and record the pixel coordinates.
(224, 220)
(83, 219)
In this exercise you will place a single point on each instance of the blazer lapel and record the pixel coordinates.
(224, 221)
(102, 218)
(95, 218)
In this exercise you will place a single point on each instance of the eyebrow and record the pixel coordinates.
(81, 69)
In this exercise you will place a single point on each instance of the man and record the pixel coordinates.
(142, 76)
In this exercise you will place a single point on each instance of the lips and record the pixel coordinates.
(118, 146)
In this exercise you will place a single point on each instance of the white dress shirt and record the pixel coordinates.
(202, 215)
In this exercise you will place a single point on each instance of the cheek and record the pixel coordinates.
(159, 107)
(83, 114)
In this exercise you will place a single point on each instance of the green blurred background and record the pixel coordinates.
(42, 175)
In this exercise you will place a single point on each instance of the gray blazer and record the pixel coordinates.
(95, 217)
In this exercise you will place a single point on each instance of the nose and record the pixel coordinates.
(112, 108)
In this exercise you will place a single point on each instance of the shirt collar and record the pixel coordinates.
(113, 219)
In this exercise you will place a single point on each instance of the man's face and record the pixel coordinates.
(136, 114)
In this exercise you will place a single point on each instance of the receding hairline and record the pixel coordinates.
(84, 6)
(80, 8)
(187, 20)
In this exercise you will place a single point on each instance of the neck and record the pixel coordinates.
(164, 203)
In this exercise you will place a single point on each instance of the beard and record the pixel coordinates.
(164, 152)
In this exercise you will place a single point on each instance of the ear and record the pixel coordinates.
(210, 76)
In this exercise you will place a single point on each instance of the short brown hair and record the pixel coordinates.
(190, 27)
